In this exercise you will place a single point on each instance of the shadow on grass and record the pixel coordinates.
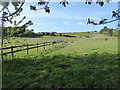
(90, 71)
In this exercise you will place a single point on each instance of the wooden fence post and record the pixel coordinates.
(12, 51)
(27, 49)
(2, 53)
(44, 46)
(53, 43)
(37, 47)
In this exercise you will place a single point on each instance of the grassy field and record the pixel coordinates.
(83, 63)
(21, 41)
(85, 34)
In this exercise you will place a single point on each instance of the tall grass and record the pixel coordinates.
(62, 71)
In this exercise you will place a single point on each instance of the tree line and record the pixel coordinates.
(23, 32)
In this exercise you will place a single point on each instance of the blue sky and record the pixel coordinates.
(72, 18)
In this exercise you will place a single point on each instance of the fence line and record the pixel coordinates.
(35, 46)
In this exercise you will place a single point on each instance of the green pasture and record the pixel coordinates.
(27, 40)
(82, 63)
(86, 34)
(88, 46)
(80, 46)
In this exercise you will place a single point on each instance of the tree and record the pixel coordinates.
(60, 34)
(107, 31)
(16, 30)
(52, 33)
(43, 33)
(7, 16)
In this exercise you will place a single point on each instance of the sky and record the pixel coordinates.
(72, 18)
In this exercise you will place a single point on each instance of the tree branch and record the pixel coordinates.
(15, 11)
(4, 7)
(107, 22)
(8, 10)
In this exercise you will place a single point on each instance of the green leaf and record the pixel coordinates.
(4, 3)
(89, 2)
(32, 7)
(41, 3)
(47, 9)
(16, 8)
(15, 4)
(17, 14)
(101, 3)
(15, 23)
(20, 10)
(64, 3)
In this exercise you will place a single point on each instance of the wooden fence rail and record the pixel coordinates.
(28, 46)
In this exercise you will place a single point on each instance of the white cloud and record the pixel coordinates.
(66, 23)
(80, 23)
(54, 27)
